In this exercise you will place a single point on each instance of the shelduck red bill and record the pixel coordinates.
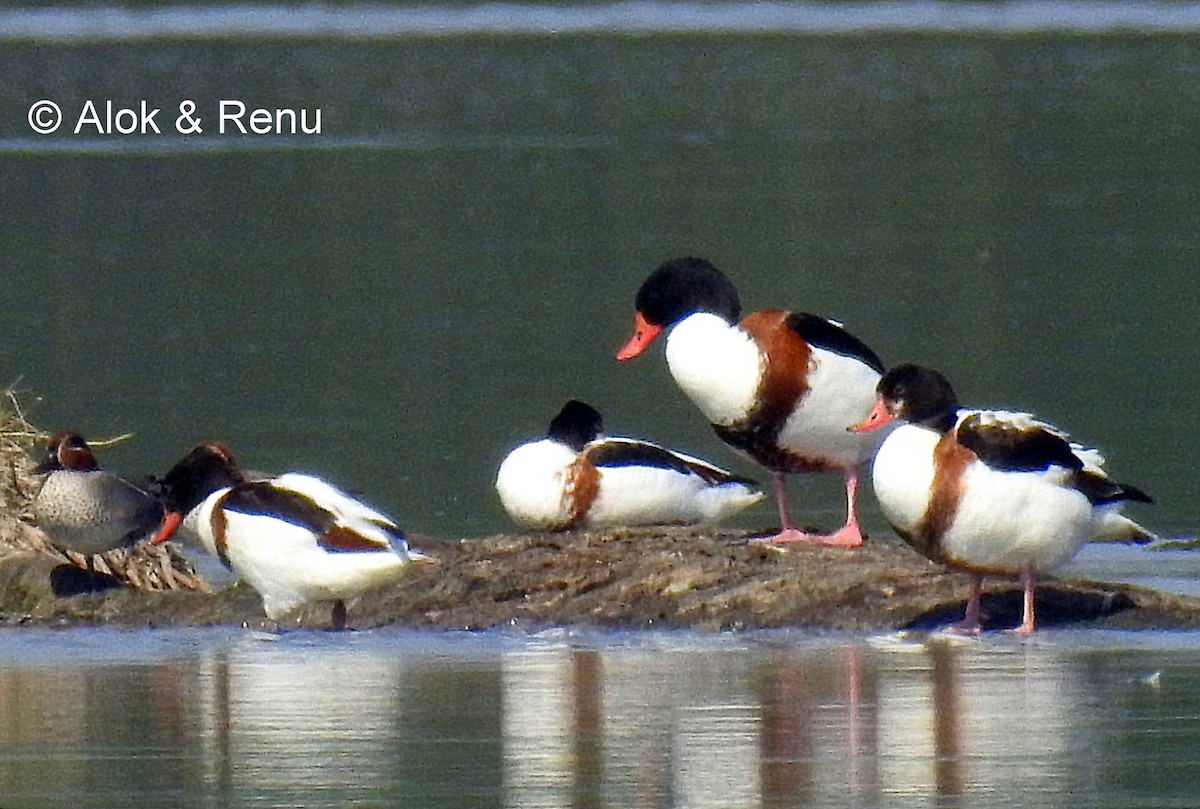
(878, 417)
(644, 333)
(170, 524)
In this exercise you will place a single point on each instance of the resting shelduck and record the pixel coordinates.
(294, 538)
(988, 491)
(578, 478)
(780, 386)
(85, 509)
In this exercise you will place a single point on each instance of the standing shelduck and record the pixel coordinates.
(294, 538)
(83, 508)
(988, 491)
(783, 387)
(577, 477)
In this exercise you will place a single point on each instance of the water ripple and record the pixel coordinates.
(167, 145)
(640, 17)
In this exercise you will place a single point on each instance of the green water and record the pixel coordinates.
(399, 300)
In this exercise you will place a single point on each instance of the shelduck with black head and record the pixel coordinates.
(293, 537)
(577, 477)
(989, 491)
(782, 387)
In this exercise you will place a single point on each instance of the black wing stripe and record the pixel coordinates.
(1099, 489)
(639, 453)
(263, 498)
(822, 333)
(1009, 448)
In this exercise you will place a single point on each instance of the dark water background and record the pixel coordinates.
(397, 301)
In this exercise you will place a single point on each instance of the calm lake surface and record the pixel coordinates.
(399, 300)
(388, 718)
(1006, 193)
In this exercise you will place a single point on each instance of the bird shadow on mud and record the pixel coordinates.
(1055, 607)
(70, 580)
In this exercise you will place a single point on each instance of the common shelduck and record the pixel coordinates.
(85, 509)
(988, 491)
(780, 386)
(294, 538)
(577, 477)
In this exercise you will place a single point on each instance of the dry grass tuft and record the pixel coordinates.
(18, 439)
(142, 566)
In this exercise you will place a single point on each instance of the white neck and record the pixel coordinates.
(902, 474)
(197, 523)
(716, 364)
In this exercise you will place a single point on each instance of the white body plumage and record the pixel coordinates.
(1004, 521)
(286, 561)
(548, 485)
(720, 367)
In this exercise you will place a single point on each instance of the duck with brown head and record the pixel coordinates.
(84, 508)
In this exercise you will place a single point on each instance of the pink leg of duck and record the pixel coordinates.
(848, 536)
(972, 622)
(1029, 584)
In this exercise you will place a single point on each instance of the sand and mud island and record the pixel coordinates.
(698, 578)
